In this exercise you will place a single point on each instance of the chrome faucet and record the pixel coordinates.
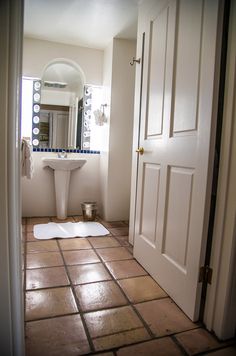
(62, 154)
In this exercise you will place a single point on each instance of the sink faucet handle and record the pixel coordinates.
(62, 154)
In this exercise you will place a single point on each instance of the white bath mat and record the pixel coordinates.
(69, 229)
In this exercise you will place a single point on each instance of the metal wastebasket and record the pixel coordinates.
(89, 210)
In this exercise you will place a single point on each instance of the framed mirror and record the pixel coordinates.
(58, 106)
(64, 111)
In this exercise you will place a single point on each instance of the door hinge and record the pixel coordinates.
(205, 274)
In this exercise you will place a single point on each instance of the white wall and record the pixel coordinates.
(121, 130)
(38, 193)
(38, 197)
(110, 188)
(116, 198)
(107, 76)
(37, 54)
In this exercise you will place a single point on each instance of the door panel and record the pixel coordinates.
(149, 204)
(176, 230)
(175, 131)
(187, 71)
(156, 73)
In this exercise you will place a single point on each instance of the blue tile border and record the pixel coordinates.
(37, 149)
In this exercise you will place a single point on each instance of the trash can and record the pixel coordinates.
(89, 210)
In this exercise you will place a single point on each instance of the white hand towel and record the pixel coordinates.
(26, 159)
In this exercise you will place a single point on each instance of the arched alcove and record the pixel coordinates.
(64, 75)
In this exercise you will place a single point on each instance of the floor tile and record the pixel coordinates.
(29, 227)
(125, 269)
(228, 351)
(126, 337)
(114, 254)
(49, 302)
(88, 273)
(39, 220)
(164, 317)
(68, 219)
(115, 327)
(123, 240)
(30, 237)
(162, 347)
(46, 278)
(42, 246)
(75, 244)
(101, 242)
(78, 218)
(113, 224)
(141, 289)
(196, 341)
(130, 248)
(112, 321)
(23, 235)
(80, 257)
(100, 295)
(119, 231)
(44, 259)
(57, 336)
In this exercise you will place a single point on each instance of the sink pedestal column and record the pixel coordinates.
(62, 183)
(62, 168)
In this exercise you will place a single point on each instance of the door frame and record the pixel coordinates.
(220, 309)
(12, 311)
(136, 134)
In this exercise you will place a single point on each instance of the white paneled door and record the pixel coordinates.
(177, 118)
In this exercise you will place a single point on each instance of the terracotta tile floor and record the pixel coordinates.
(90, 296)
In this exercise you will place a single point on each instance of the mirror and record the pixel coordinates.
(65, 111)
(61, 103)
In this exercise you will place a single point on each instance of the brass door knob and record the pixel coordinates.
(140, 150)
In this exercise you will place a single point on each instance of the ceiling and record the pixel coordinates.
(88, 23)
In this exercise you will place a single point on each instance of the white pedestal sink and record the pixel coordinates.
(62, 168)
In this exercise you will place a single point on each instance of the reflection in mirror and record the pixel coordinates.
(53, 126)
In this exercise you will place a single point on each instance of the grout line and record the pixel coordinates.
(104, 309)
(118, 332)
(128, 301)
(178, 344)
(155, 338)
(89, 338)
(52, 317)
(187, 330)
(81, 312)
(50, 287)
(54, 266)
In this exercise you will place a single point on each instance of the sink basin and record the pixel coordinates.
(62, 168)
(63, 164)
